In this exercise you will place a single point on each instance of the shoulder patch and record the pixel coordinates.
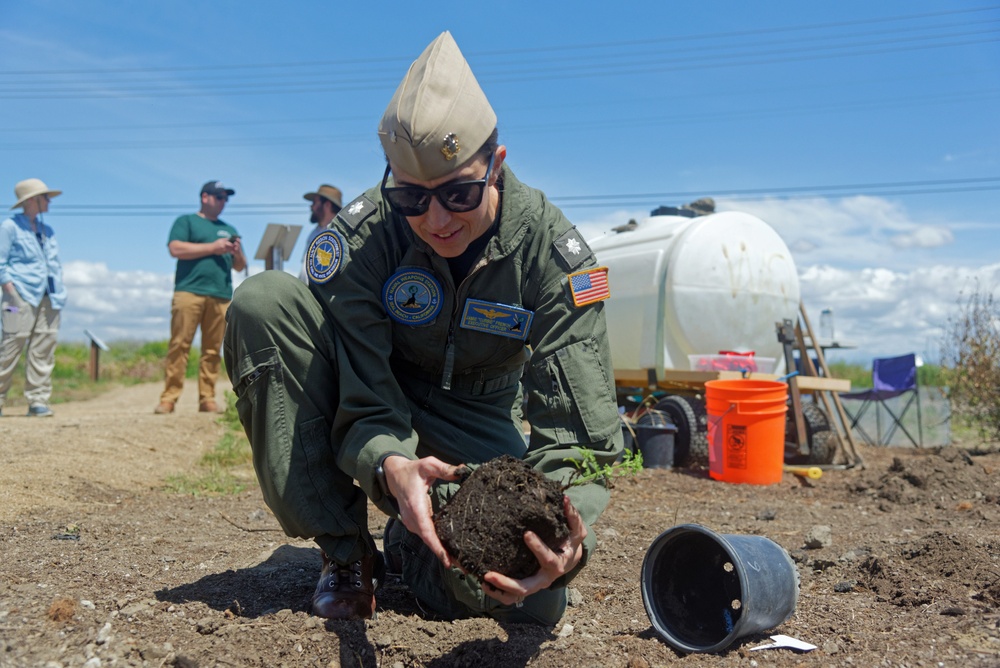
(572, 248)
(325, 256)
(590, 286)
(355, 213)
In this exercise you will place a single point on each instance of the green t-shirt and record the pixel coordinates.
(209, 276)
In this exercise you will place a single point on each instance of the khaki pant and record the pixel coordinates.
(34, 328)
(188, 311)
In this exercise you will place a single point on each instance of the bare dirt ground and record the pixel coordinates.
(99, 566)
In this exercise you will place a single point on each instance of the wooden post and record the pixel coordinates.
(836, 399)
(96, 346)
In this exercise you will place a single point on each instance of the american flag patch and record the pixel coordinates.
(589, 286)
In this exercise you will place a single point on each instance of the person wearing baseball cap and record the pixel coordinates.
(33, 295)
(325, 203)
(208, 250)
(437, 300)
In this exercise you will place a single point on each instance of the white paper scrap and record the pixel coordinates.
(786, 642)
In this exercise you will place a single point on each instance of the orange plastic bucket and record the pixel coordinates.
(746, 430)
(744, 388)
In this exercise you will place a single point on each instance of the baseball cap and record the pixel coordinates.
(439, 116)
(216, 188)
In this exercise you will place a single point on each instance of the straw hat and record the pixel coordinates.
(439, 116)
(326, 192)
(29, 188)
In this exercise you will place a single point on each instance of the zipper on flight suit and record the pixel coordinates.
(449, 351)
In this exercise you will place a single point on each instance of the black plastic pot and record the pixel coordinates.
(703, 590)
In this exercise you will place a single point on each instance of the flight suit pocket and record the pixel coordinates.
(581, 402)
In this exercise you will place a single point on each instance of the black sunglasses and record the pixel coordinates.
(456, 196)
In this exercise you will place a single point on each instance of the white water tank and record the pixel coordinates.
(696, 285)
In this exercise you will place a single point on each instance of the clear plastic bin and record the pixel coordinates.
(748, 363)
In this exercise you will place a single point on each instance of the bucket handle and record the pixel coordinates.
(765, 413)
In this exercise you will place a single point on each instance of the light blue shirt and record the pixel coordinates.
(309, 239)
(32, 264)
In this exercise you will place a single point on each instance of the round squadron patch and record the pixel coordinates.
(324, 257)
(412, 296)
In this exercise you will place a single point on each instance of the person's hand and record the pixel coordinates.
(409, 482)
(224, 246)
(553, 563)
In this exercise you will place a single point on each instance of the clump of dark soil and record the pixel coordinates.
(483, 525)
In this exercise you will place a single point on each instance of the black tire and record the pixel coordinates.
(691, 441)
(822, 440)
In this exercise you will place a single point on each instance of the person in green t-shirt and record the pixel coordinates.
(208, 250)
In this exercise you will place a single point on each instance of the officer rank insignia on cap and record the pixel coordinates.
(589, 286)
(492, 318)
(412, 296)
(325, 256)
(451, 147)
(572, 248)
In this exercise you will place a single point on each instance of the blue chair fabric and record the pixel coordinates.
(891, 377)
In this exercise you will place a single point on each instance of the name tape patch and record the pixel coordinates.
(493, 318)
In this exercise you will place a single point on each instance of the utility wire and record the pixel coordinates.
(769, 53)
(671, 39)
(878, 189)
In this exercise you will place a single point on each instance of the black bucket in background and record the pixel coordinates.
(703, 590)
(654, 439)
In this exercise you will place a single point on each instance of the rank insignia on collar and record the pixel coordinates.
(325, 256)
(589, 286)
(412, 296)
(450, 148)
(501, 319)
(572, 248)
(355, 213)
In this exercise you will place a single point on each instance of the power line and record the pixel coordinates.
(725, 55)
(877, 189)
(672, 39)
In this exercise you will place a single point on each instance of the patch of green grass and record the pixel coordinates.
(126, 363)
(227, 468)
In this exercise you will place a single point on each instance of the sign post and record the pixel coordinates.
(96, 345)
(276, 245)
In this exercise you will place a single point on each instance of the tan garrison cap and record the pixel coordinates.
(439, 116)
(28, 188)
(327, 192)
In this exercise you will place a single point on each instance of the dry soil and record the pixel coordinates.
(100, 566)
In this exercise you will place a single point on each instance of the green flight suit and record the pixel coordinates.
(446, 385)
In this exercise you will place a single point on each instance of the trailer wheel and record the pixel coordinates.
(822, 440)
(691, 420)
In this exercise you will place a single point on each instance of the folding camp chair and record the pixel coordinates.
(891, 377)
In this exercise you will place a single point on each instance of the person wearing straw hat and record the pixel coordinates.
(33, 295)
(324, 205)
(438, 300)
(208, 250)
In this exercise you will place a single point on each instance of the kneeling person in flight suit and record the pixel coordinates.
(436, 299)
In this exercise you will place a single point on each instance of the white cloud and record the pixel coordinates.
(925, 236)
(119, 305)
(885, 312)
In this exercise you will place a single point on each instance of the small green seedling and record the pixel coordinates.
(588, 470)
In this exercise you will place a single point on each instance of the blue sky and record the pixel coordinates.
(865, 133)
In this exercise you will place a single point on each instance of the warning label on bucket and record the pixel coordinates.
(736, 446)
